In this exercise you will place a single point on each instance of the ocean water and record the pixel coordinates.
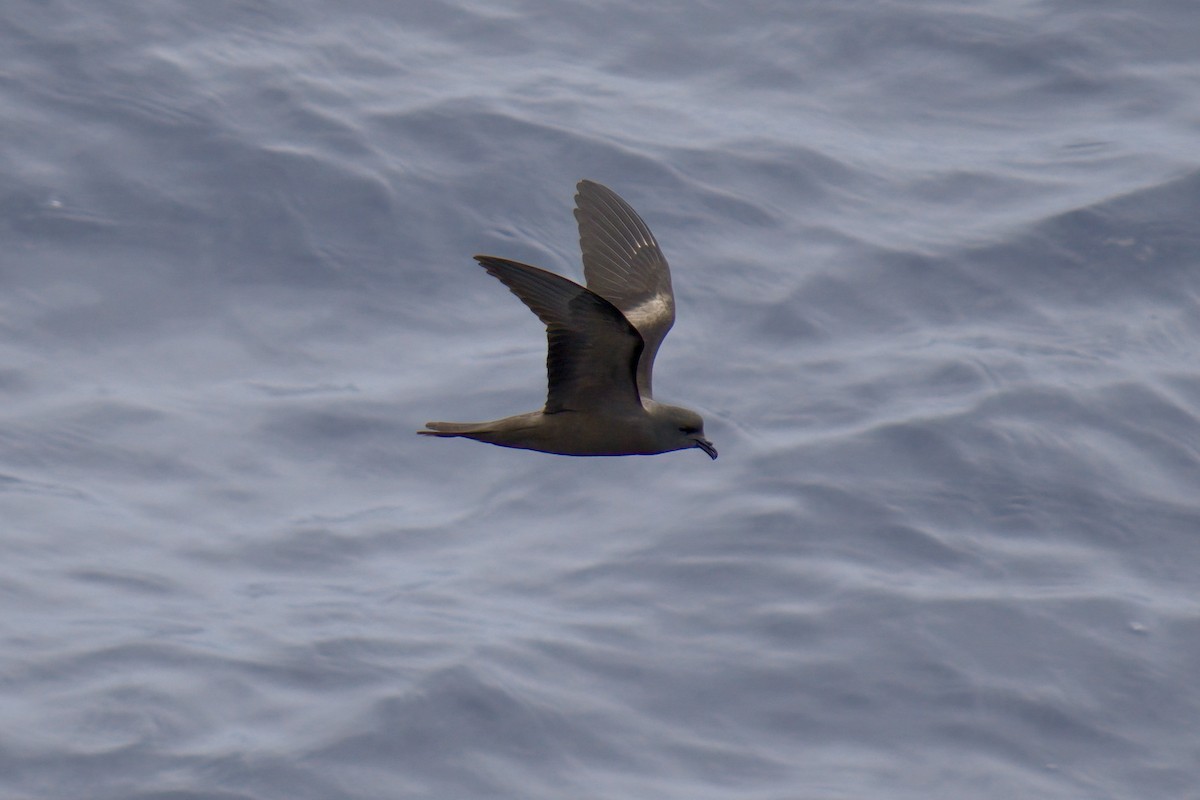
(937, 269)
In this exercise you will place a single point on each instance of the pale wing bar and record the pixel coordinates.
(623, 262)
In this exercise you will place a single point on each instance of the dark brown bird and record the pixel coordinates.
(602, 342)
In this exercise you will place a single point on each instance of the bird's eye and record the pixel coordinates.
(687, 429)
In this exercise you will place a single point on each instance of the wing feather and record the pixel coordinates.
(592, 350)
(624, 264)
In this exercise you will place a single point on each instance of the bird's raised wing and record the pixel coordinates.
(593, 351)
(623, 264)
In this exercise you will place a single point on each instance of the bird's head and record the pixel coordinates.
(685, 427)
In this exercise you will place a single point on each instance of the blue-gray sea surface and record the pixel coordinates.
(937, 269)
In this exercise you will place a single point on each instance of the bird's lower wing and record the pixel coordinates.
(593, 351)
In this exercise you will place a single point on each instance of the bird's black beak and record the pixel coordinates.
(707, 446)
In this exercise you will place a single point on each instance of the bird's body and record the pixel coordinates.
(602, 340)
(571, 433)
